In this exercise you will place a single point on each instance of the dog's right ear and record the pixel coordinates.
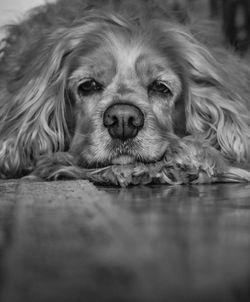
(32, 99)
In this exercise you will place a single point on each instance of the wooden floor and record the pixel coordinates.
(71, 241)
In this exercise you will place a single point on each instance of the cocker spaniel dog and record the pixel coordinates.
(121, 92)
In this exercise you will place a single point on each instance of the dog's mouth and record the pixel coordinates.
(121, 159)
(123, 154)
(132, 152)
(127, 159)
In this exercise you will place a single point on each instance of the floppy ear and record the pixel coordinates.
(32, 109)
(218, 91)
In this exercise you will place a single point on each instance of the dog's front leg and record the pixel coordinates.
(56, 166)
(202, 163)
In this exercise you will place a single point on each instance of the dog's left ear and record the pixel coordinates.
(218, 91)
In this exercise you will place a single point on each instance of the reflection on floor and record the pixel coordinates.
(72, 241)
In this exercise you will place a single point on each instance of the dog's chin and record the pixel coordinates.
(127, 159)
(123, 160)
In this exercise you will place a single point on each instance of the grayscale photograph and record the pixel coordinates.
(124, 150)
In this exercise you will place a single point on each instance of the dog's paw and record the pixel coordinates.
(196, 161)
(121, 175)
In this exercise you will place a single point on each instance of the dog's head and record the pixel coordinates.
(112, 90)
(125, 90)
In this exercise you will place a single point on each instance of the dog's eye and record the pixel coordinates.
(159, 87)
(89, 86)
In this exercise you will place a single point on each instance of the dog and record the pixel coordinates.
(96, 83)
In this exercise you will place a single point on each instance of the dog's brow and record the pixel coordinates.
(99, 66)
(146, 66)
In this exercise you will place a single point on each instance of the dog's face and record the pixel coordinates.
(124, 94)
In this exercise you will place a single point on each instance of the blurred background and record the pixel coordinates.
(232, 16)
(12, 10)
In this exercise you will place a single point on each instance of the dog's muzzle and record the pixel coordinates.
(123, 121)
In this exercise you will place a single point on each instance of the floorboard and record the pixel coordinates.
(74, 241)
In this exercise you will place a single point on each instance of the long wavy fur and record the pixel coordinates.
(35, 109)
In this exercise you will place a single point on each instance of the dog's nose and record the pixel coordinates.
(123, 121)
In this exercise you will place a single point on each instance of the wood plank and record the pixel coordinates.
(72, 241)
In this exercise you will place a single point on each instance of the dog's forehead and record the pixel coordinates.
(136, 55)
(128, 58)
(137, 60)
